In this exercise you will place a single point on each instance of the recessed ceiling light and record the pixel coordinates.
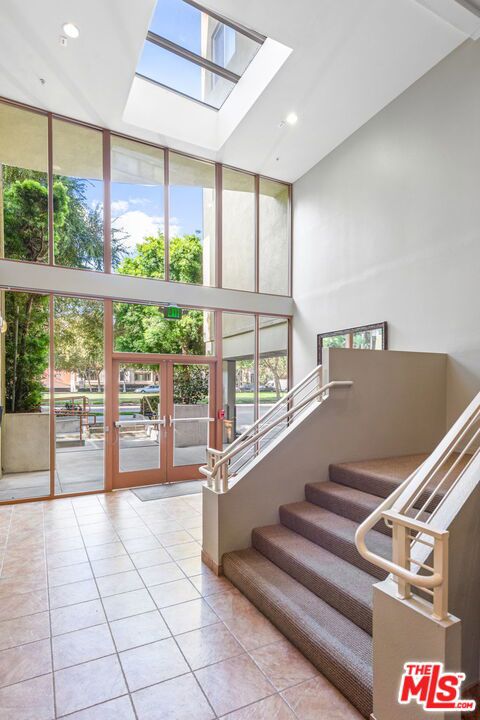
(71, 30)
(291, 118)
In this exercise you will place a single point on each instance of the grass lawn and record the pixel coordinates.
(263, 397)
(133, 397)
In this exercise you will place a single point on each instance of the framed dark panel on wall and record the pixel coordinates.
(363, 337)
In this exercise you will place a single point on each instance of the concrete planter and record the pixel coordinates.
(191, 434)
(25, 442)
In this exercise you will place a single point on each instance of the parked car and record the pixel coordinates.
(246, 387)
(149, 389)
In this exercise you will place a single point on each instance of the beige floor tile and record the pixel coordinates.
(29, 700)
(177, 699)
(73, 593)
(101, 552)
(119, 583)
(94, 682)
(148, 558)
(252, 629)
(23, 584)
(152, 663)
(81, 646)
(158, 574)
(69, 574)
(24, 630)
(139, 630)
(233, 683)
(76, 617)
(127, 604)
(318, 698)
(168, 539)
(230, 604)
(118, 709)
(283, 664)
(25, 662)
(58, 545)
(208, 645)
(272, 708)
(189, 616)
(193, 566)
(185, 550)
(140, 544)
(68, 557)
(111, 566)
(211, 585)
(99, 538)
(173, 593)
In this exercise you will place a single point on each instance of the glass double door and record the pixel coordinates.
(164, 420)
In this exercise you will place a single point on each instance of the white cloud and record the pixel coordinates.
(137, 225)
(119, 206)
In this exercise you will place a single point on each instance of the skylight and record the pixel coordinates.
(196, 52)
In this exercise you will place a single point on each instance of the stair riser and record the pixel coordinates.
(360, 614)
(338, 546)
(298, 634)
(342, 506)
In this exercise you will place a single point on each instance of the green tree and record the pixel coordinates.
(78, 331)
(274, 368)
(26, 350)
(78, 241)
(142, 328)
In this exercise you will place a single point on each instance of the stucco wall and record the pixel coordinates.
(387, 227)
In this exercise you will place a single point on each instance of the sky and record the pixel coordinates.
(137, 210)
(179, 22)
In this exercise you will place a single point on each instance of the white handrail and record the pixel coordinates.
(429, 479)
(317, 371)
(218, 461)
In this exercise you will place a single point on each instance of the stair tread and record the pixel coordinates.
(343, 585)
(334, 644)
(349, 502)
(320, 525)
(366, 500)
(378, 477)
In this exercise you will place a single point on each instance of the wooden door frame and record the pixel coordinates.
(137, 478)
(189, 472)
(167, 472)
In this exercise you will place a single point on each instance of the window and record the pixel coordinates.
(144, 329)
(137, 208)
(25, 387)
(23, 185)
(79, 399)
(238, 233)
(365, 337)
(274, 237)
(238, 363)
(191, 220)
(223, 43)
(272, 361)
(78, 195)
(146, 185)
(195, 52)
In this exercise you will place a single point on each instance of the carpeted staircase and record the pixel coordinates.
(307, 577)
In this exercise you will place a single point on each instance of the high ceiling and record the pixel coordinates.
(348, 60)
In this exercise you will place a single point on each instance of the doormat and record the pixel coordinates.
(157, 492)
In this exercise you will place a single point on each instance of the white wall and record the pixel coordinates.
(396, 406)
(387, 227)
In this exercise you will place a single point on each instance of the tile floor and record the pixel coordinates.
(107, 613)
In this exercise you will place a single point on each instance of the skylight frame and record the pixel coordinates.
(205, 63)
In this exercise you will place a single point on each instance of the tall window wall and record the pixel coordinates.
(79, 197)
(57, 385)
